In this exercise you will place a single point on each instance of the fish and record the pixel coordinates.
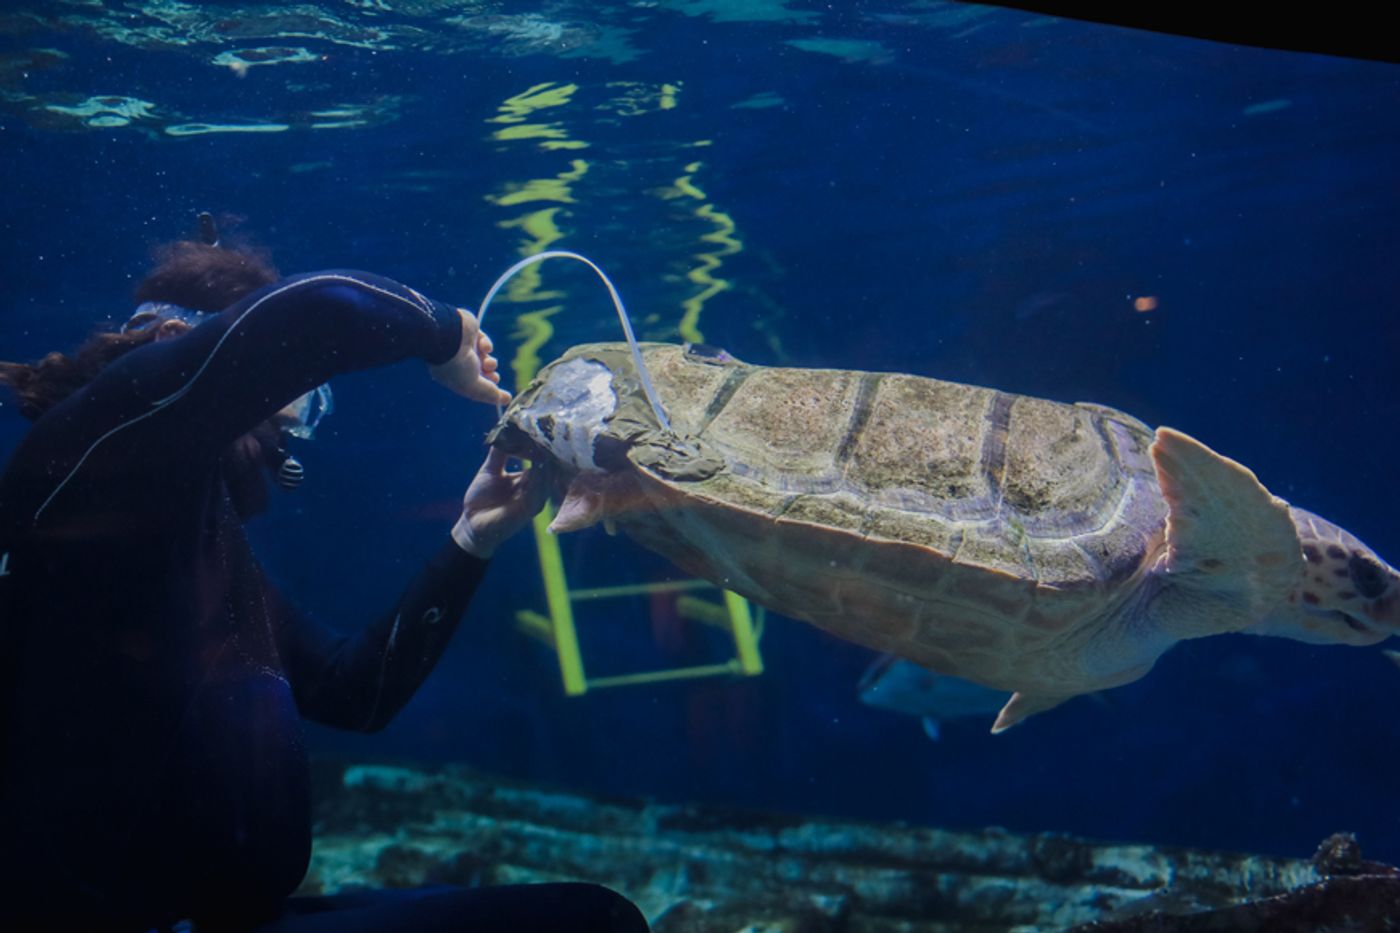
(900, 686)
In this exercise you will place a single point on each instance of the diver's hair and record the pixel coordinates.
(42, 385)
(187, 273)
(202, 277)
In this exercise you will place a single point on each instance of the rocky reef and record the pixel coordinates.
(702, 869)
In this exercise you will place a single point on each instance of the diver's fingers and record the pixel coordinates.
(536, 485)
(495, 461)
(489, 365)
(483, 389)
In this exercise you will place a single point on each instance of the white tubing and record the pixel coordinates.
(617, 303)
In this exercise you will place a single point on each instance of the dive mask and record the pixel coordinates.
(300, 418)
(155, 312)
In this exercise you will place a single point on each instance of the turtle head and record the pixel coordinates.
(585, 416)
(561, 417)
(1346, 594)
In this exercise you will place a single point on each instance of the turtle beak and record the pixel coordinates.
(507, 437)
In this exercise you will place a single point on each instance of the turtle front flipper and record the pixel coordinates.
(598, 497)
(1232, 550)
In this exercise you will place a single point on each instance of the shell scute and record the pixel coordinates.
(1054, 562)
(922, 437)
(997, 547)
(1060, 472)
(914, 528)
(1118, 550)
(834, 511)
(786, 424)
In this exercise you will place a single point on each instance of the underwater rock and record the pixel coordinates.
(1362, 904)
(693, 868)
(1340, 854)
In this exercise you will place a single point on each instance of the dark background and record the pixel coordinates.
(970, 193)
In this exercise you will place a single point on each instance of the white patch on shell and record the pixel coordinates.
(576, 403)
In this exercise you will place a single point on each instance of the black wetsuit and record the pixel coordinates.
(153, 763)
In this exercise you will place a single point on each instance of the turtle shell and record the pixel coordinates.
(1058, 494)
(937, 520)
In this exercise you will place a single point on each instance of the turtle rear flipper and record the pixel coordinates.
(1232, 549)
(1022, 705)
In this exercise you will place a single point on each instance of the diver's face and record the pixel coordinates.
(169, 329)
(289, 416)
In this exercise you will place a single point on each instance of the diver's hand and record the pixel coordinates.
(497, 505)
(472, 372)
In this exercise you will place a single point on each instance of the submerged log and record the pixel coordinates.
(694, 868)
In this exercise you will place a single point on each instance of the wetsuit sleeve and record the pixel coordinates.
(360, 681)
(290, 337)
(171, 405)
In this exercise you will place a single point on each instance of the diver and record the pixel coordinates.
(154, 774)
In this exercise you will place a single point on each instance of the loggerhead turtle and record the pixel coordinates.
(1031, 546)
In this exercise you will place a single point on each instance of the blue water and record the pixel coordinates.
(962, 192)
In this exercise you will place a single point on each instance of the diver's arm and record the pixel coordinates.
(197, 393)
(289, 337)
(361, 681)
(170, 409)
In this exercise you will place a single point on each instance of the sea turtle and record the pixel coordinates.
(1031, 546)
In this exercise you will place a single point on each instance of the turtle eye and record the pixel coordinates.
(1366, 575)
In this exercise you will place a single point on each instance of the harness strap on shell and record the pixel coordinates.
(617, 303)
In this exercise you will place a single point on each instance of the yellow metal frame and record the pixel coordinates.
(557, 629)
(538, 117)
